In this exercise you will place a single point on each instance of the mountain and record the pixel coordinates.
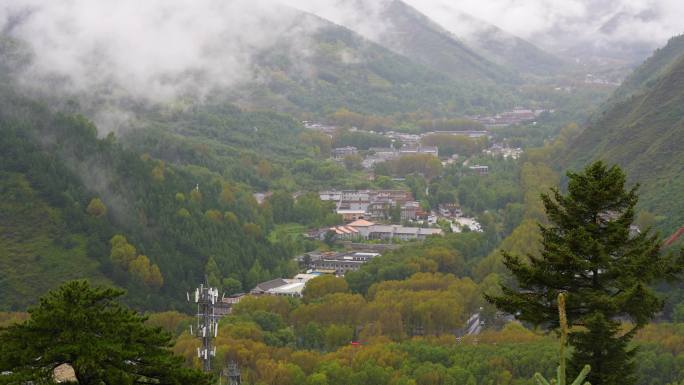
(66, 192)
(491, 42)
(510, 51)
(302, 64)
(646, 75)
(425, 71)
(412, 34)
(176, 183)
(644, 134)
(53, 167)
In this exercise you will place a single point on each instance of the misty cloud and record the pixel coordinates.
(566, 25)
(558, 26)
(362, 16)
(161, 50)
(156, 50)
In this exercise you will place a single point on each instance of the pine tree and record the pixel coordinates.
(590, 253)
(104, 342)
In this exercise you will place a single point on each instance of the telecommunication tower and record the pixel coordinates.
(207, 323)
(233, 373)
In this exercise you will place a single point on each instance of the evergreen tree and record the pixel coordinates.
(104, 342)
(590, 253)
(213, 273)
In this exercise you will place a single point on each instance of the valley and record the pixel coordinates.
(367, 188)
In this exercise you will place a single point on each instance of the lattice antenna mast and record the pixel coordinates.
(207, 323)
(234, 374)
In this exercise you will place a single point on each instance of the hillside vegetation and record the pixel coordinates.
(415, 36)
(509, 50)
(66, 193)
(341, 69)
(645, 135)
(37, 252)
(647, 75)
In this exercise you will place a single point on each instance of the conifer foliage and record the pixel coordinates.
(105, 343)
(606, 270)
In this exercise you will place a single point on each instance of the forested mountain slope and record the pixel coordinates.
(513, 52)
(56, 171)
(493, 43)
(646, 75)
(645, 135)
(153, 215)
(341, 69)
(415, 36)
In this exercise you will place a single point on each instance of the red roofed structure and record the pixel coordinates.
(673, 238)
(361, 223)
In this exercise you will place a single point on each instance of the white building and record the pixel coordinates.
(284, 287)
(459, 224)
(369, 230)
(429, 150)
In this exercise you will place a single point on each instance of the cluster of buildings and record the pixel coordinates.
(382, 154)
(458, 225)
(504, 151)
(336, 263)
(317, 264)
(459, 222)
(404, 138)
(325, 128)
(597, 79)
(509, 118)
(373, 204)
(472, 134)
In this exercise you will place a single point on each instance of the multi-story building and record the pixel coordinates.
(409, 150)
(370, 230)
(340, 263)
(479, 170)
(401, 232)
(371, 204)
(340, 153)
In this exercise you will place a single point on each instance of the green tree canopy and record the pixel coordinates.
(103, 341)
(590, 253)
(96, 208)
(324, 285)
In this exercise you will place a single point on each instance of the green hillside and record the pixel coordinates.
(341, 69)
(647, 75)
(507, 50)
(515, 53)
(178, 216)
(37, 252)
(177, 184)
(645, 135)
(415, 36)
